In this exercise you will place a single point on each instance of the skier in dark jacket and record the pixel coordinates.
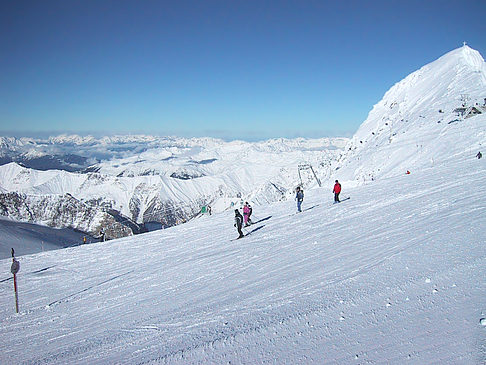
(299, 196)
(336, 191)
(102, 235)
(239, 222)
(479, 155)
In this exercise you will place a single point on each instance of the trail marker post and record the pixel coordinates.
(15, 269)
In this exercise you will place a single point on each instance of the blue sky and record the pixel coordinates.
(228, 69)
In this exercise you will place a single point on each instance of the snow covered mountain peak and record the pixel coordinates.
(457, 75)
(468, 55)
(439, 108)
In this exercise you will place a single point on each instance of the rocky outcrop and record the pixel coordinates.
(62, 211)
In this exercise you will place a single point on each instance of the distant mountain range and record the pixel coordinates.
(128, 184)
(135, 183)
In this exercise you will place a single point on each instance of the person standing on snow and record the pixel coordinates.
(239, 223)
(246, 213)
(479, 155)
(336, 191)
(249, 214)
(300, 198)
(102, 235)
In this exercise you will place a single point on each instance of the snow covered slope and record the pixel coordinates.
(29, 238)
(393, 275)
(425, 119)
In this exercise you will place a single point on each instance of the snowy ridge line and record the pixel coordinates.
(410, 127)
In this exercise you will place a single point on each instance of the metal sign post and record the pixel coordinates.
(15, 269)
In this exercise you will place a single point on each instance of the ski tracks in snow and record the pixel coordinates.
(316, 327)
(356, 283)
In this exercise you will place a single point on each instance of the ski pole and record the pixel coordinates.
(15, 269)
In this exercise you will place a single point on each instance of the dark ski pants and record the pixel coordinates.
(238, 227)
(336, 197)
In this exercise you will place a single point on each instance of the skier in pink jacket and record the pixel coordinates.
(246, 213)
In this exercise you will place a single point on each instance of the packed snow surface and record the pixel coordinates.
(395, 274)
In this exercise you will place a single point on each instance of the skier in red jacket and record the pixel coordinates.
(336, 191)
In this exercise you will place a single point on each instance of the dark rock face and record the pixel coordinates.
(63, 211)
(186, 175)
(94, 215)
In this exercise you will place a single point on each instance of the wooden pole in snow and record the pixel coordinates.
(15, 269)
